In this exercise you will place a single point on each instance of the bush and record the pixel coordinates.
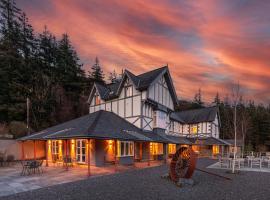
(18, 129)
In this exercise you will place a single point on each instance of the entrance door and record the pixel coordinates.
(80, 151)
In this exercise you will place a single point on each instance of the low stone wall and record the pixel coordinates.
(13, 147)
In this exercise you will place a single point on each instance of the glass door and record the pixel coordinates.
(80, 151)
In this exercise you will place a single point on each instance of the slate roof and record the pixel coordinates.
(196, 115)
(178, 140)
(141, 82)
(207, 141)
(98, 125)
(239, 143)
(101, 125)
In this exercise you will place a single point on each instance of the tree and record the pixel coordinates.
(97, 74)
(113, 76)
(217, 100)
(235, 94)
(198, 99)
(10, 61)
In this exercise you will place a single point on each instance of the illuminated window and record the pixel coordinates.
(125, 148)
(172, 148)
(193, 129)
(55, 149)
(128, 91)
(97, 100)
(215, 149)
(156, 148)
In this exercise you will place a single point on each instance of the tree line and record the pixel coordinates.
(252, 120)
(49, 72)
(42, 68)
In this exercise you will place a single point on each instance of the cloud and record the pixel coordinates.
(207, 44)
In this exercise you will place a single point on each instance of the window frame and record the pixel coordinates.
(128, 148)
(97, 100)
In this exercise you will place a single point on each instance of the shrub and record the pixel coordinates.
(18, 129)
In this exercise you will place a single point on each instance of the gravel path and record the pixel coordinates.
(148, 184)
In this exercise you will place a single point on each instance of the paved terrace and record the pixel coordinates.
(148, 184)
(12, 182)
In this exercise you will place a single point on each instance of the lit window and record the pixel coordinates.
(97, 100)
(128, 91)
(125, 148)
(55, 149)
(172, 148)
(156, 148)
(193, 129)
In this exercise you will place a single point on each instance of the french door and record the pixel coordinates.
(80, 151)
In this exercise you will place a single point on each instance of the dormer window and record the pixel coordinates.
(97, 99)
(128, 91)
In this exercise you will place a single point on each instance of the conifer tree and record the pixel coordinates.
(96, 73)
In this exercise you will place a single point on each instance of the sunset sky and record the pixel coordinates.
(207, 44)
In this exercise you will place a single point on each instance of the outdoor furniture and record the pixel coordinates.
(225, 162)
(239, 162)
(256, 162)
(68, 161)
(249, 159)
(31, 167)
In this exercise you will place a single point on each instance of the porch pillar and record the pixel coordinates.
(134, 153)
(66, 158)
(35, 155)
(165, 151)
(46, 152)
(88, 160)
(22, 146)
(115, 155)
(148, 162)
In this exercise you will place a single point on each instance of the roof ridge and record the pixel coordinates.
(94, 124)
(152, 70)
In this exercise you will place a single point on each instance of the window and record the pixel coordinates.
(156, 148)
(172, 148)
(193, 129)
(55, 147)
(97, 99)
(128, 91)
(125, 148)
(159, 119)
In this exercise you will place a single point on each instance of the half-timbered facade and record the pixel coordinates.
(133, 119)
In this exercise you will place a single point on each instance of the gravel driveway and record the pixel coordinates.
(148, 184)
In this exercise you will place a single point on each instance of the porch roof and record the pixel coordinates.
(208, 141)
(178, 140)
(99, 125)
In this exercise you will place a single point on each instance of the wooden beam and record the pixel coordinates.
(89, 157)
(46, 151)
(66, 143)
(115, 155)
(35, 154)
(22, 146)
(148, 162)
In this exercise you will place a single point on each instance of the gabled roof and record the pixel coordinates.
(141, 82)
(196, 115)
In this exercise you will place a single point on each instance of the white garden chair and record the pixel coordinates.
(256, 162)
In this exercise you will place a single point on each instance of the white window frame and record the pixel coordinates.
(126, 144)
(55, 147)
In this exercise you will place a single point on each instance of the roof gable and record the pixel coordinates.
(141, 82)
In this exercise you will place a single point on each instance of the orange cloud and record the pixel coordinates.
(206, 44)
